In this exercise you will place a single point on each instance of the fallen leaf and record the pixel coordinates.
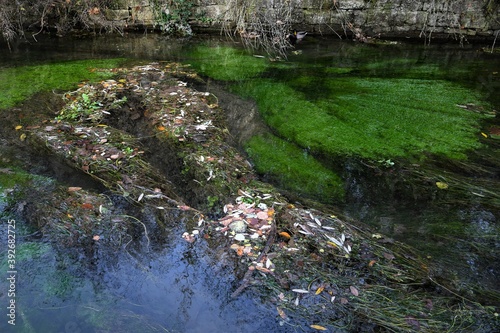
(87, 205)
(413, 322)
(319, 290)
(18, 127)
(344, 301)
(161, 128)
(184, 207)
(377, 236)
(319, 328)
(441, 185)
(281, 313)
(74, 188)
(300, 291)
(354, 291)
(96, 237)
(22, 137)
(484, 134)
(371, 263)
(285, 234)
(388, 256)
(239, 237)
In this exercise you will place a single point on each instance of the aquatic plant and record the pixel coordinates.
(18, 83)
(226, 63)
(371, 118)
(294, 168)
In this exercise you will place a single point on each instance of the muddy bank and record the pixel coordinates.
(160, 152)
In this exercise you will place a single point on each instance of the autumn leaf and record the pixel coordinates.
(441, 185)
(161, 128)
(354, 291)
(319, 328)
(87, 205)
(285, 234)
(96, 237)
(18, 127)
(281, 313)
(74, 188)
(371, 263)
(319, 290)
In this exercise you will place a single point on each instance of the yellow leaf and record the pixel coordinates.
(484, 134)
(377, 236)
(319, 290)
(441, 185)
(18, 127)
(22, 137)
(319, 328)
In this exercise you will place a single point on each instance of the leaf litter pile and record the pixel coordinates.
(161, 147)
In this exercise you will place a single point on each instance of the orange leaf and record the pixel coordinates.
(281, 313)
(319, 328)
(285, 234)
(87, 205)
(371, 263)
(161, 128)
(270, 212)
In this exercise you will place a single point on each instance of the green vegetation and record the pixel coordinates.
(383, 111)
(226, 63)
(372, 118)
(17, 84)
(294, 168)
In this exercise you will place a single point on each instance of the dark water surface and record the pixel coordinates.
(179, 288)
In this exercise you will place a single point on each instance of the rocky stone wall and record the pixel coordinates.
(385, 18)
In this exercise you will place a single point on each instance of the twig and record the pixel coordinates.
(245, 282)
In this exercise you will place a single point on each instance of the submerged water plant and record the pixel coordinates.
(19, 83)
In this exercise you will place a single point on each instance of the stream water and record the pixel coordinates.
(182, 289)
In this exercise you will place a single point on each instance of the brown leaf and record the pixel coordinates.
(354, 291)
(74, 188)
(87, 205)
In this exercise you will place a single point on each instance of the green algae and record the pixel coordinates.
(226, 63)
(386, 109)
(294, 168)
(19, 83)
(370, 117)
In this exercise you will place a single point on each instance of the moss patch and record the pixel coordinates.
(372, 118)
(226, 64)
(16, 84)
(294, 168)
